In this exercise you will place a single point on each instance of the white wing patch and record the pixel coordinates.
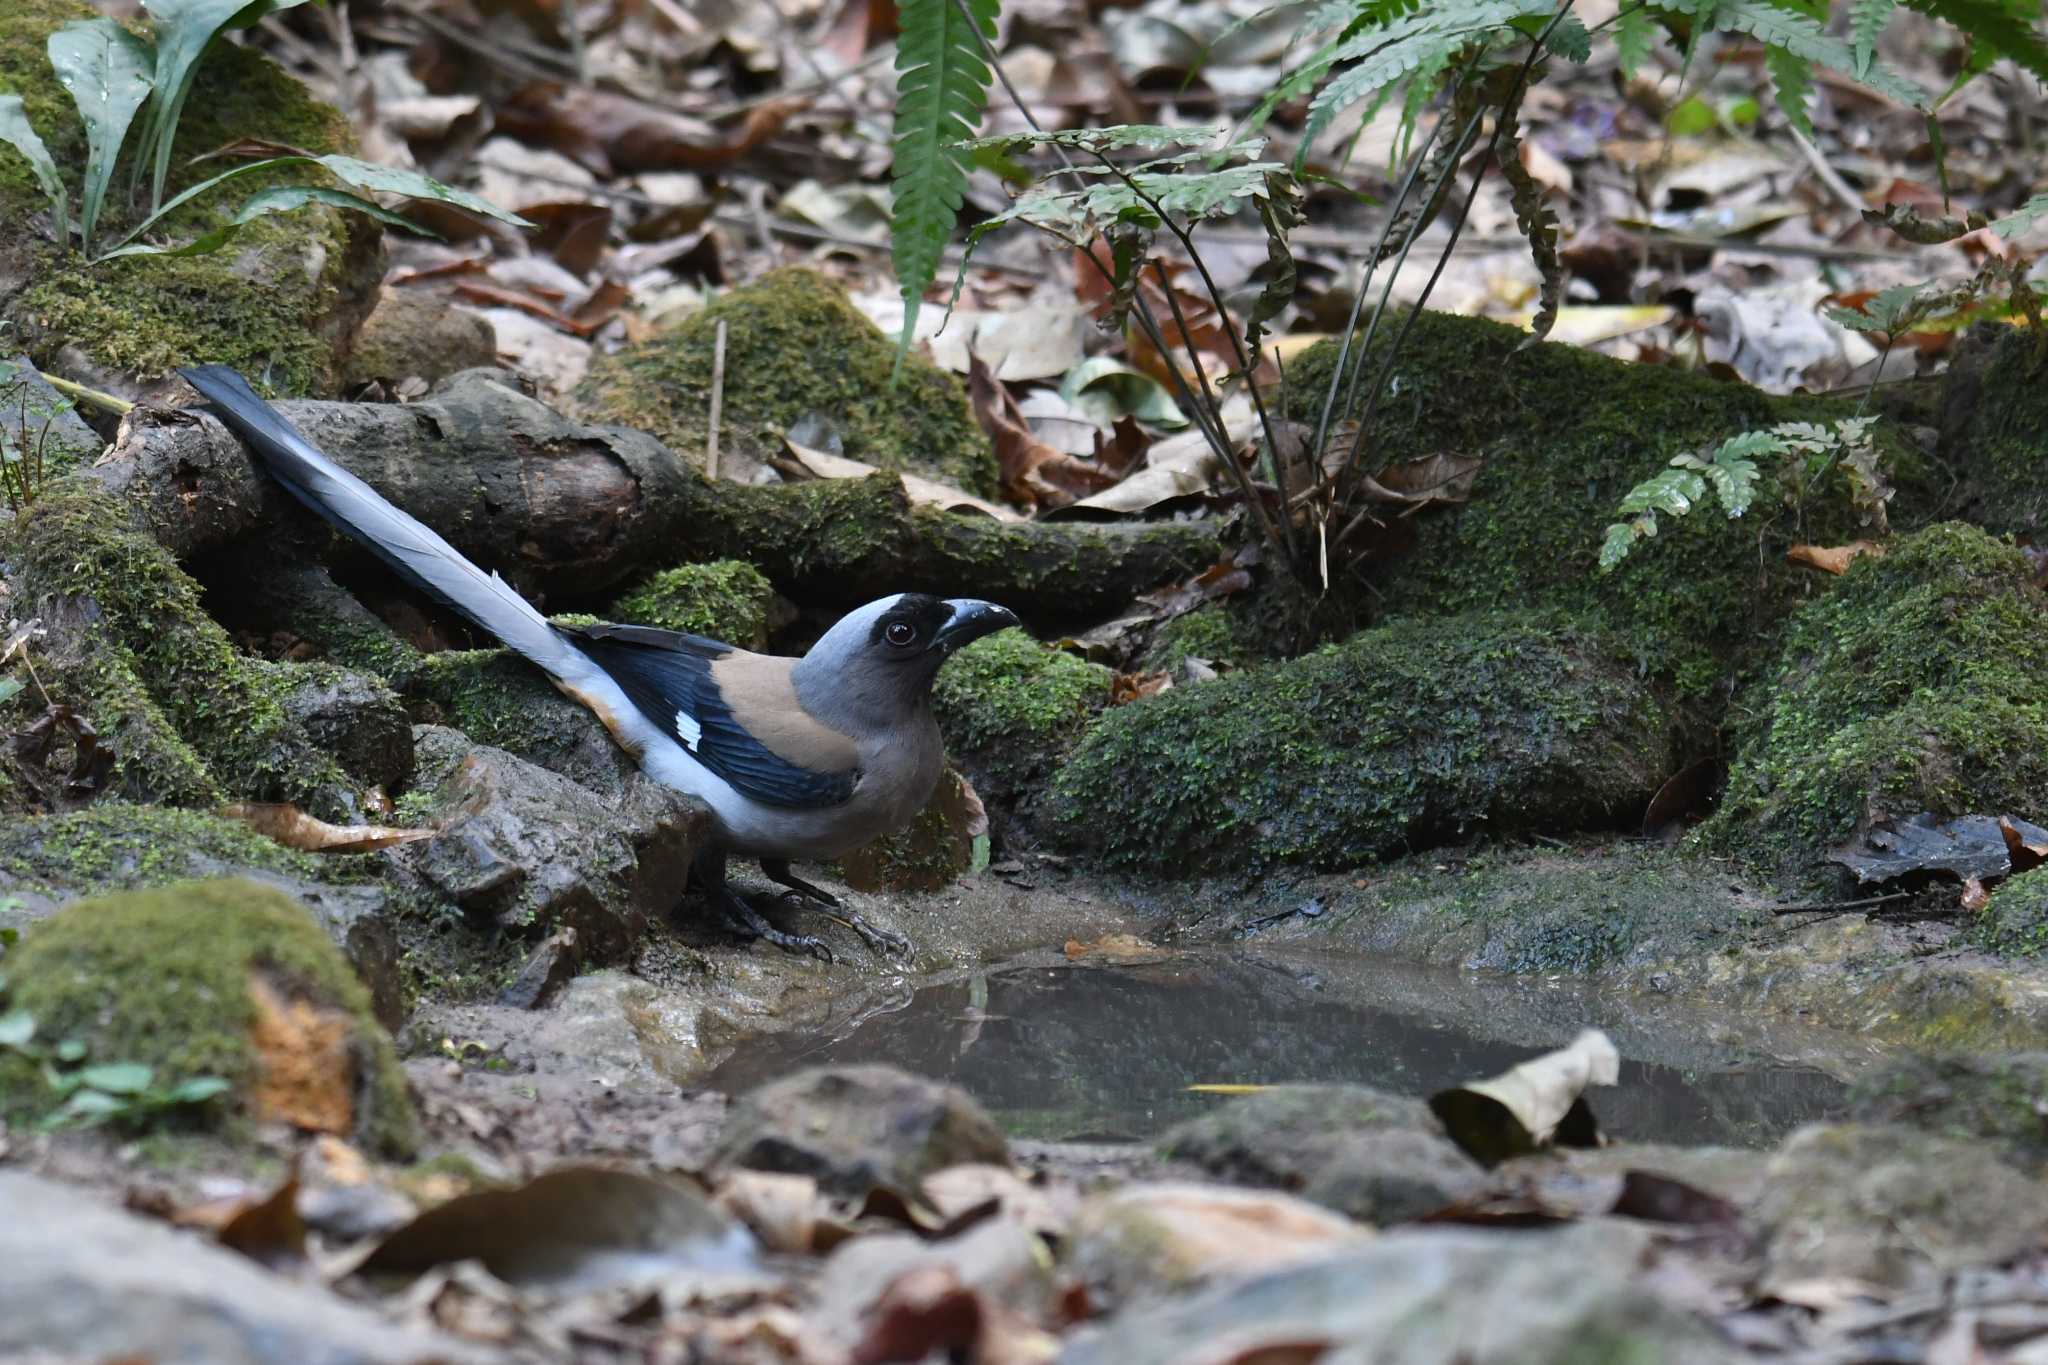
(688, 730)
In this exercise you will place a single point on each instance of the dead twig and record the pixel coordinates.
(717, 400)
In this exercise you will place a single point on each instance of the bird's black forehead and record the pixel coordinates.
(922, 610)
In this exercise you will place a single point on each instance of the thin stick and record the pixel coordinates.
(1833, 907)
(717, 399)
(1828, 175)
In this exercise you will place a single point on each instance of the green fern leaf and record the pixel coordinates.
(1622, 537)
(1802, 37)
(1990, 25)
(941, 91)
(1792, 79)
(1674, 492)
(1634, 36)
(2022, 218)
(1568, 38)
(1867, 20)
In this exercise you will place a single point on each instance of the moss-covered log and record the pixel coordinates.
(570, 512)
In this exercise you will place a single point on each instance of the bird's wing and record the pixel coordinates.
(727, 708)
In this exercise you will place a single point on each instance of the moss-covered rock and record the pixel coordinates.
(929, 854)
(212, 978)
(1999, 1098)
(116, 846)
(1209, 633)
(1416, 732)
(1011, 710)
(1919, 682)
(725, 600)
(2014, 922)
(1995, 430)
(497, 698)
(191, 719)
(795, 348)
(1565, 433)
(276, 305)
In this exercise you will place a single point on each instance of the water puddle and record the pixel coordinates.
(1060, 1051)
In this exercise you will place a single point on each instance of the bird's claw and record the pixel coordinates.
(801, 945)
(884, 941)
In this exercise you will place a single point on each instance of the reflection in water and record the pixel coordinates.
(1099, 1052)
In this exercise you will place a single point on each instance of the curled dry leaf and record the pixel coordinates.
(1445, 478)
(1832, 558)
(609, 132)
(292, 827)
(1032, 471)
(928, 1311)
(2028, 850)
(785, 1211)
(577, 1227)
(1532, 1105)
(1128, 687)
(808, 462)
(1974, 897)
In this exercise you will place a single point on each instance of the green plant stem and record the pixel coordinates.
(85, 395)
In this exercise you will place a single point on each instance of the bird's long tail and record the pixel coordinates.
(418, 555)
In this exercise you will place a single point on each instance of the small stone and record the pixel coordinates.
(858, 1129)
(1156, 1239)
(418, 336)
(553, 964)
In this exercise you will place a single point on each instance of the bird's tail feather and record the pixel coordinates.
(416, 553)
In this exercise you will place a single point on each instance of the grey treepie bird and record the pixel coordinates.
(797, 758)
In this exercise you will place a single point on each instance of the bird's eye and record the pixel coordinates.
(900, 633)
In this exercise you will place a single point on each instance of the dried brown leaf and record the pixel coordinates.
(1832, 558)
(292, 827)
(610, 132)
(574, 233)
(2026, 854)
(1032, 471)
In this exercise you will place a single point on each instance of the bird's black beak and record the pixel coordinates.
(971, 619)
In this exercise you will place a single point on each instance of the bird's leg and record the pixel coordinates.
(708, 870)
(878, 940)
(779, 873)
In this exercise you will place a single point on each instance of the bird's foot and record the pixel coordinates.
(744, 920)
(883, 942)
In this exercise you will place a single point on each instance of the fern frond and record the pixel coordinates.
(2022, 218)
(1096, 141)
(1634, 36)
(941, 92)
(1800, 36)
(1867, 20)
(1570, 39)
(1989, 24)
(1674, 492)
(1792, 82)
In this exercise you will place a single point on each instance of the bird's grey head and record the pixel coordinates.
(875, 667)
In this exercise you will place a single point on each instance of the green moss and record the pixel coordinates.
(497, 698)
(271, 305)
(1210, 633)
(795, 348)
(1545, 912)
(2001, 441)
(1918, 683)
(191, 718)
(1418, 731)
(1999, 1098)
(116, 846)
(726, 600)
(1012, 708)
(2014, 922)
(162, 977)
(1565, 434)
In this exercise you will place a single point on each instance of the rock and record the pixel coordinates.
(221, 978)
(727, 599)
(1151, 1240)
(796, 350)
(79, 1280)
(531, 850)
(357, 719)
(497, 698)
(1891, 1206)
(1372, 1156)
(1992, 415)
(2014, 923)
(859, 1128)
(57, 434)
(1401, 736)
(1903, 688)
(50, 861)
(1011, 710)
(553, 964)
(1426, 1296)
(417, 336)
(292, 607)
(2001, 1098)
(278, 306)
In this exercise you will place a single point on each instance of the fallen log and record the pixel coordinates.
(569, 511)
